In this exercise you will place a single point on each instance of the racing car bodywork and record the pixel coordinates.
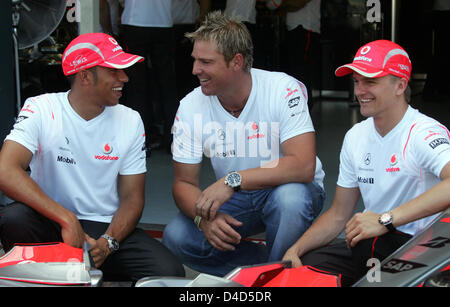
(422, 257)
(422, 261)
(49, 264)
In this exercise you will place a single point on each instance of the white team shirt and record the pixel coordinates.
(185, 12)
(147, 13)
(77, 162)
(243, 10)
(276, 111)
(398, 167)
(308, 16)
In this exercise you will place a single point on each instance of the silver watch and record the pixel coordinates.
(233, 180)
(386, 220)
(113, 245)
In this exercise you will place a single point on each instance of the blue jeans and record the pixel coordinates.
(284, 213)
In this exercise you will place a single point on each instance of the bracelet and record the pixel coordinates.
(197, 221)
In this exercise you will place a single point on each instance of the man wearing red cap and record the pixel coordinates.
(87, 159)
(397, 159)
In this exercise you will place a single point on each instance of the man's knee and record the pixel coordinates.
(182, 238)
(297, 198)
(287, 194)
(173, 235)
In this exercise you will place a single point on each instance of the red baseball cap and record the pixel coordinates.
(377, 59)
(95, 49)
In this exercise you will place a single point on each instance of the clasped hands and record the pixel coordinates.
(217, 226)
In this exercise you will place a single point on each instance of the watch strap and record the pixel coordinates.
(390, 227)
(113, 245)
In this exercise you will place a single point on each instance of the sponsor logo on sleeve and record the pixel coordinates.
(293, 102)
(437, 142)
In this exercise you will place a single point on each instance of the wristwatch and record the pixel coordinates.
(386, 219)
(113, 245)
(233, 179)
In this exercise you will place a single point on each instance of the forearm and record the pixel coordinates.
(331, 223)
(125, 219)
(281, 171)
(324, 230)
(18, 185)
(185, 196)
(430, 202)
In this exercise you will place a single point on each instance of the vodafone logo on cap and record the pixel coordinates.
(365, 50)
(361, 56)
(115, 43)
(112, 40)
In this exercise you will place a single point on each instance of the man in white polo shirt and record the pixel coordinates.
(255, 127)
(397, 160)
(87, 158)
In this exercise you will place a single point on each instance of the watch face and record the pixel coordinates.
(234, 179)
(385, 218)
(115, 245)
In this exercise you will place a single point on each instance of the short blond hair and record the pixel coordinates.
(230, 35)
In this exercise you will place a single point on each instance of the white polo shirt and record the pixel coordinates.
(77, 162)
(276, 111)
(243, 10)
(398, 167)
(148, 13)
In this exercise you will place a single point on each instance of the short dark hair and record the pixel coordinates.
(71, 78)
(408, 88)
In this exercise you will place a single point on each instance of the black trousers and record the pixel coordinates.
(139, 255)
(158, 84)
(351, 264)
(302, 58)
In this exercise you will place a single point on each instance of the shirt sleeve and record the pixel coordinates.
(27, 127)
(187, 132)
(347, 175)
(294, 114)
(135, 158)
(431, 147)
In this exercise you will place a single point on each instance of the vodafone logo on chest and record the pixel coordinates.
(107, 150)
(393, 167)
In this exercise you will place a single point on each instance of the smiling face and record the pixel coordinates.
(214, 73)
(378, 96)
(108, 85)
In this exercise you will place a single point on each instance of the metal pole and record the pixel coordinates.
(15, 20)
(394, 15)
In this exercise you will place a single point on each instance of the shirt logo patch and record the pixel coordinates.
(435, 143)
(107, 150)
(393, 161)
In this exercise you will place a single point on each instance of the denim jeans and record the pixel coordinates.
(284, 213)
